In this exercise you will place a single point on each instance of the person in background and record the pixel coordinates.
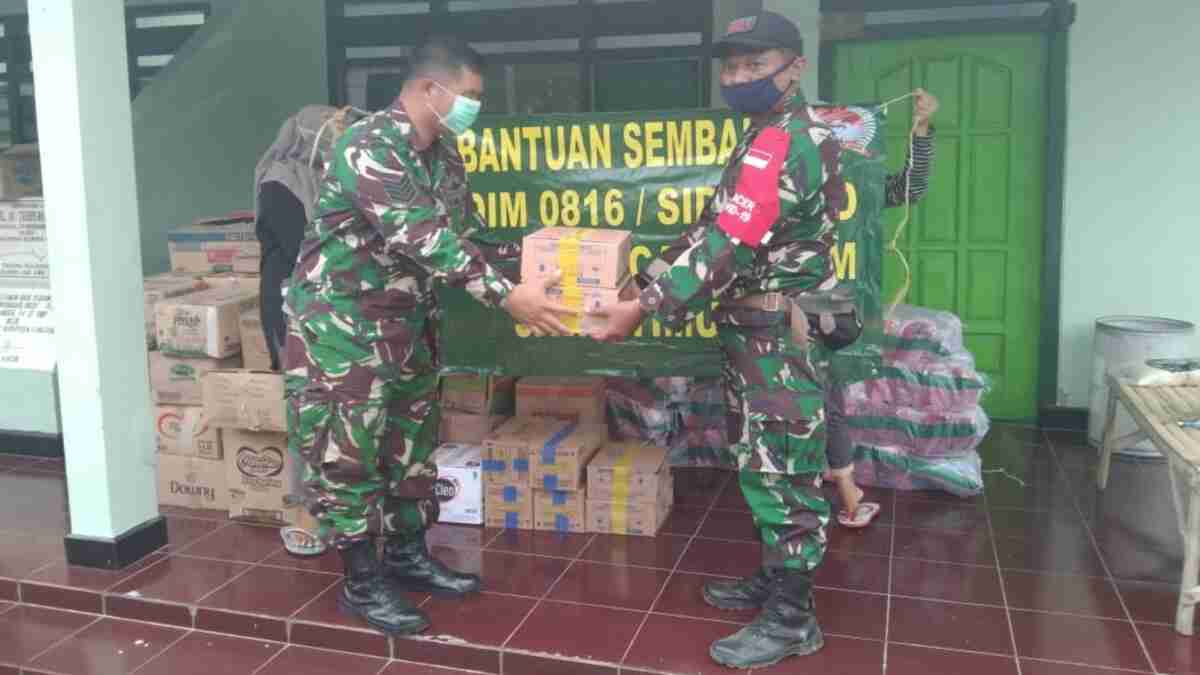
(783, 178)
(285, 196)
(908, 186)
(360, 359)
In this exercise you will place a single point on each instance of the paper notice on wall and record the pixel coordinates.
(24, 262)
(26, 309)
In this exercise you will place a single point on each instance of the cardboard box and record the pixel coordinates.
(600, 258)
(590, 299)
(508, 507)
(206, 323)
(569, 398)
(192, 482)
(507, 450)
(461, 427)
(233, 280)
(560, 511)
(637, 518)
(259, 476)
(629, 471)
(161, 287)
(479, 394)
(459, 486)
(175, 380)
(20, 172)
(215, 245)
(559, 457)
(185, 431)
(255, 355)
(245, 399)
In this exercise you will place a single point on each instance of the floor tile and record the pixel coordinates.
(946, 581)
(460, 536)
(907, 660)
(661, 552)
(182, 532)
(61, 597)
(24, 552)
(330, 562)
(1136, 553)
(873, 540)
(43, 500)
(841, 656)
(574, 631)
(737, 525)
(883, 496)
(520, 574)
(90, 578)
(851, 614)
(1096, 642)
(324, 610)
(662, 646)
(466, 560)
(183, 580)
(610, 585)
(683, 521)
(950, 625)
(731, 559)
(935, 516)
(540, 543)
(1062, 555)
(1170, 651)
(237, 542)
(1003, 493)
(270, 591)
(1089, 596)
(402, 668)
(683, 596)
(27, 631)
(974, 548)
(853, 572)
(1150, 602)
(208, 654)
(302, 660)
(731, 498)
(1022, 524)
(466, 633)
(201, 514)
(547, 664)
(107, 647)
(1037, 667)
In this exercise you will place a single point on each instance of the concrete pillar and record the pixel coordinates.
(83, 111)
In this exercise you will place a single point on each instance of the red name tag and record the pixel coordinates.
(750, 213)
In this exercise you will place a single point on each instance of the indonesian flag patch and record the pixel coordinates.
(747, 216)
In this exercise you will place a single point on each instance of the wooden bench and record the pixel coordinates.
(1157, 411)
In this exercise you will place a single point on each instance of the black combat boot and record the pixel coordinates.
(407, 562)
(747, 593)
(786, 627)
(368, 594)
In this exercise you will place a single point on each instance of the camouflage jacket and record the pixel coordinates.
(389, 224)
(706, 264)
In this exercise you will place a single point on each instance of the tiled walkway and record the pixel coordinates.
(1049, 578)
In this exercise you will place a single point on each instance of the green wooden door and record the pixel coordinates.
(974, 243)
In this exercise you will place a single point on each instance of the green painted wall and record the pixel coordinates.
(1130, 235)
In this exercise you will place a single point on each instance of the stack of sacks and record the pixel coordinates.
(684, 414)
(917, 422)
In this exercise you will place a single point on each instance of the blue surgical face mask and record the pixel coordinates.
(755, 97)
(462, 114)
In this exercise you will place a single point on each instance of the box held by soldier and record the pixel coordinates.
(587, 257)
(185, 431)
(209, 246)
(479, 394)
(245, 399)
(584, 300)
(176, 380)
(559, 456)
(259, 476)
(206, 323)
(570, 398)
(459, 486)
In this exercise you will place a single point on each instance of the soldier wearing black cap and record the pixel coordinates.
(762, 250)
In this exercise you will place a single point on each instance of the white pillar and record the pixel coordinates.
(81, 84)
(806, 14)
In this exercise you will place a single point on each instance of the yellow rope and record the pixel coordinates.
(893, 245)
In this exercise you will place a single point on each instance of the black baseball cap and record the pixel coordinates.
(762, 31)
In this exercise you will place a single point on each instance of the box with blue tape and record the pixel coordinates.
(561, 454)
(630, 489)
(509, 451)
(508, 507)
(560, 510)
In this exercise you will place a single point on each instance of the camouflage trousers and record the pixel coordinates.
(364, 431)
(776, 420)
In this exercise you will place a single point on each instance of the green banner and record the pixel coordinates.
(651, 174)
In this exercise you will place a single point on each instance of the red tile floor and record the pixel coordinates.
(1049, 578)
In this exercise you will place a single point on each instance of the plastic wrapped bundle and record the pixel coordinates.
(920, 432)
(644, 410)
(890, 467)
(936, 386)
(916, 337)
(702, 439)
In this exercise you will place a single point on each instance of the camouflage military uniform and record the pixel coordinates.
(776, 411)
(361, 356)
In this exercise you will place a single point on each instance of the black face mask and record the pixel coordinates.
(755, 97)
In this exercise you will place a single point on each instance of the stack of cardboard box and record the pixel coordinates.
(473, 406)
(559, 460)
(580, 399)
(630, 489)
(594, 268)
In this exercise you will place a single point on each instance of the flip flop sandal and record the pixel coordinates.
(301, 542)
(863, 515)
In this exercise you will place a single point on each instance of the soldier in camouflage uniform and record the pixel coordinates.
(393, 219)
(775, 403)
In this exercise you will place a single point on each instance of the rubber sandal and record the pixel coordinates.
(863, 516)
(301, 542)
